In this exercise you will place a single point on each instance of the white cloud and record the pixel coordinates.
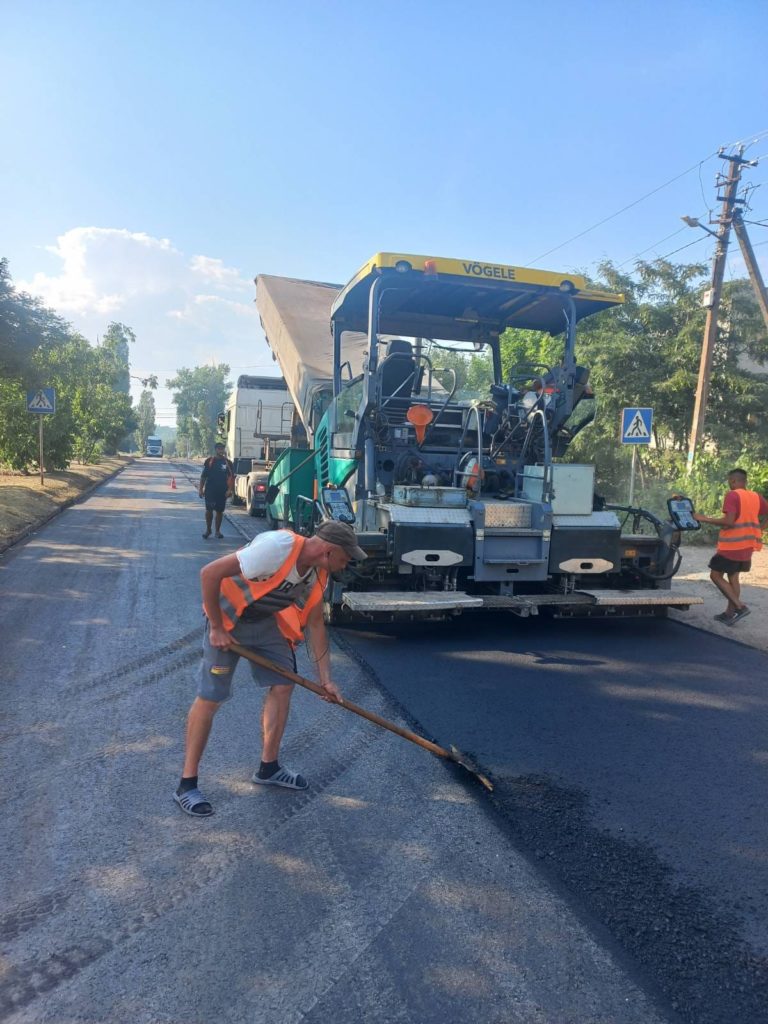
(214, 270)
(185, 311)
(103, 268)
(204, 310)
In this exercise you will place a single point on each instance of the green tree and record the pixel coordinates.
(200, 395)
(39, 349)
(90, 415)
(145, 415)
(116, 346)
(29, 335)
(473, 370)
(148, 382)
(645, 352)
(25, 325)
(95, 413)
(525, 354)
(18, 440)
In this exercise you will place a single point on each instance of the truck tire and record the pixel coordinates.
(269, 520)
(251, 510)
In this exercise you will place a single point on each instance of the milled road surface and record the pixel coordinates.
(389, 891)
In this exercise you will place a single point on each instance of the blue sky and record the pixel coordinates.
(160, 155)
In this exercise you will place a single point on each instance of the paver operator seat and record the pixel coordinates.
(398, 371)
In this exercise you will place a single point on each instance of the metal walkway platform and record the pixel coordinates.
(408, 601)
(625, 598)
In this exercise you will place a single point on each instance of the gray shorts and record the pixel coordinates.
(219, 666)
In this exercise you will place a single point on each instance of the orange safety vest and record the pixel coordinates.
(237, 593)
(476, 473)
(746, 531)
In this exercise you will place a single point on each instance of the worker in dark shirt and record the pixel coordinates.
(216, 483)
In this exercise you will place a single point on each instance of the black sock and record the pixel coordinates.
(267, 769)
(186, 784)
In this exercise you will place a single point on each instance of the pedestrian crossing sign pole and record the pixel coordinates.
(636, 424)
(42, 403)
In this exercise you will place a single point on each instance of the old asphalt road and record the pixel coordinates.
(392, 890)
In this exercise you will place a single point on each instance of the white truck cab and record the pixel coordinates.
(258, 419)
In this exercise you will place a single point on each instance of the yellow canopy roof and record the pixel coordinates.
(464, 300)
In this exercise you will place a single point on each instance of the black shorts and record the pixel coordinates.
(215, 502)
(720, 563)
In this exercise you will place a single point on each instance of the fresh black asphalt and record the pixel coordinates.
(630, 762)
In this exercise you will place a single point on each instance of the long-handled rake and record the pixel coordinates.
(451, 754)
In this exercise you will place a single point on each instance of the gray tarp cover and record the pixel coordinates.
(296, 317)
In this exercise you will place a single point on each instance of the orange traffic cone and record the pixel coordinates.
(173, 483)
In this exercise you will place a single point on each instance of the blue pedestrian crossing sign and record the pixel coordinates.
(636, 426)
(42, 401)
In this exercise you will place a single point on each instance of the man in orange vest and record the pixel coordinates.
(741, 528)
(263, 597)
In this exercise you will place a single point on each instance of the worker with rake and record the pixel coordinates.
(263, 598)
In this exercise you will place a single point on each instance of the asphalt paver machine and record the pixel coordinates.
(451, 472)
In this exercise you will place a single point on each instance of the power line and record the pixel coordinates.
(629, 206)
(694, 242)
(643, 251)
(703, 196)
(703, 238)
(747, 143)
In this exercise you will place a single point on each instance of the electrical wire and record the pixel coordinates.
(703, 196)
(744, 143)
(689, 244)
(643, 251)
(629, 206)
(698, 164)
(672, 235)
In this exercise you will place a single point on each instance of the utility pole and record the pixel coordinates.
(724, 221)
(749, 258)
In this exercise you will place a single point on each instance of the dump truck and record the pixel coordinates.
(258, 424)
(451, 472)
(295, 316)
